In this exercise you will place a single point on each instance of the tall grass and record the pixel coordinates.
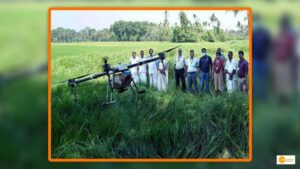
(150, 125)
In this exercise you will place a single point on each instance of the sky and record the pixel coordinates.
(100, 19)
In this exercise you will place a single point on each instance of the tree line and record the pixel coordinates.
(185, 31)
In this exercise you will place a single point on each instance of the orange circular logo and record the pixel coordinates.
(281, 159)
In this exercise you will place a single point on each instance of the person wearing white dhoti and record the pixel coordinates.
(152, 66)
(143, 69)
(230, 71)
(134, 70)
(162, 75)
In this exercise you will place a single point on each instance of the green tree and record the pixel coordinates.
(185, 32)
(184, 21)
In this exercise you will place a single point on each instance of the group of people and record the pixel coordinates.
(221, 71)
(276, 60)
(157, 71)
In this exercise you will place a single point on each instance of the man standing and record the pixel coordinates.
(230, 71)
(143, 69)
(134, 70)
(261, 45)
(205, 66)
(192, 63)
(180, 70)
(242, 72)
(222, 55)
(284, 60)
(152, 66)
(223, 58)
(162, 75)
(218, 68)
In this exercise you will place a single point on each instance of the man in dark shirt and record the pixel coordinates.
(205, 66)
(180, 69)
(242, 72)
(261, 42)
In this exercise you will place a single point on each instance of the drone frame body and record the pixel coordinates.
(108, 71)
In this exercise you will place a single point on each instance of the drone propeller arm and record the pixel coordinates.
(160, 55)
(77, 80)
(94, 76)
(144, 62)
(97, 75)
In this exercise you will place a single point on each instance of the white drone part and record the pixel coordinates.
(122, 67)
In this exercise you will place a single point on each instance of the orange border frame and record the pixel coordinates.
(249, 159)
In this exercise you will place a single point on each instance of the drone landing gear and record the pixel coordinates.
(136, 91)
(109, 95)
(74, 93)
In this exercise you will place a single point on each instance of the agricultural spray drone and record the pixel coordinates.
(119, 77)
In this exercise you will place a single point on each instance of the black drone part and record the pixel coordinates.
(162, 55)
(106, 67)
(107, 70)
(71, 83)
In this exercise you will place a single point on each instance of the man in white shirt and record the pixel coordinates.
(180, 70)
(134, 70)
(152, 66)
(143, 69)
(191, 64)
(230, 71)
(162, 76)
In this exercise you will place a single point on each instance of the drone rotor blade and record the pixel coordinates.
(60, 82)
(82, 76)
(169, 50)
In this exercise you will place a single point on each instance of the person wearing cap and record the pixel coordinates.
(191, 64)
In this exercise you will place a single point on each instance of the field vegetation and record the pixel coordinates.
(150, 125)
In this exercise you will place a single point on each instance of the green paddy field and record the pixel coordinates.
(150, 125)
